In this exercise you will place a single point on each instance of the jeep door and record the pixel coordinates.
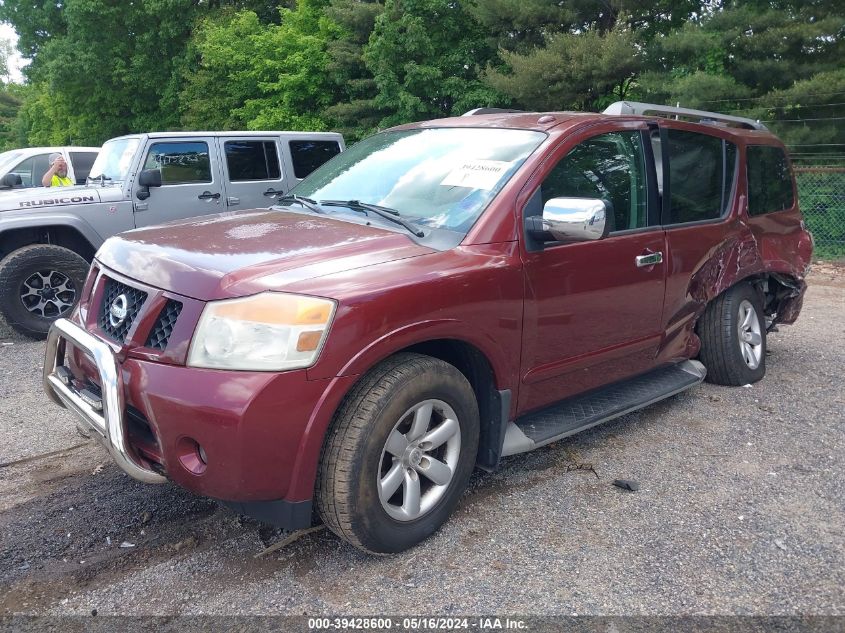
(191, 180)
(592, 309)
(253, 171)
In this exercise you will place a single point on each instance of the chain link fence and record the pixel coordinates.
(821, 196)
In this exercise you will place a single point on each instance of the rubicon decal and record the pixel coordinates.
(49, 201)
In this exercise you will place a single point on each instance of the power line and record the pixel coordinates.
(812, 105)
(833, 118)
(818, 94)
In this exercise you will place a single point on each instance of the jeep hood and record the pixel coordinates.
(50, 197)
(241, 253)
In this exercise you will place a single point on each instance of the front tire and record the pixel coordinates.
(399, 455)
(39, 284)
(733, 337)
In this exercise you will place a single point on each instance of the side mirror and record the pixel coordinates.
(146, 179)
(570, 220)
(9, 181)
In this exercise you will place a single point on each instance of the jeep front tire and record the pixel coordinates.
(39, 284)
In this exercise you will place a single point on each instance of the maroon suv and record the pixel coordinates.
(439, 296)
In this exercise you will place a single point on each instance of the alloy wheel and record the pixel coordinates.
(419, 460)
(48, 294)
(750, 335)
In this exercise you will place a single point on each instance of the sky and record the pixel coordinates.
(15, 62)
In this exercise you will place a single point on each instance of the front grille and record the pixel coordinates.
(163, 327)
(134, 300)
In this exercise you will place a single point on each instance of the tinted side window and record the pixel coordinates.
(32, 169)
(308, 155)
(701, 172)
(252, 160)
(180, 162)
(610, 167)
(769, 180)
(82, 162)
(24, 170)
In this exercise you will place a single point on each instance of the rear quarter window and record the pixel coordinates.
(769, 180)
(308, 155)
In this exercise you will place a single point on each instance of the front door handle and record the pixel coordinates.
(207, 195)
(650, 259)
(141, 206)
(232, 200)
(273, 192)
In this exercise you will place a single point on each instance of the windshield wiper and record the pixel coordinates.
(308, 203)
(102, 178)
(385, 212)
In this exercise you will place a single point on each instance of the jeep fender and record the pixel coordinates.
(51, 219)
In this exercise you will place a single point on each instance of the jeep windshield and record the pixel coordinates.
(439, 178)
(114, 160)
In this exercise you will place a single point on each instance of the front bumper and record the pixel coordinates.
(261, 432)
(100, 417)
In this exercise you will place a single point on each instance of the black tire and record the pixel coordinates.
(718, 329)
(19, 266)
(347, 492)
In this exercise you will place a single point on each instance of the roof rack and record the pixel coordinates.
(701, 116)
(490, 111)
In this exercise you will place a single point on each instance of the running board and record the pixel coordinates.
(582, 412)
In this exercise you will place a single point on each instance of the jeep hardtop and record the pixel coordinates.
(439, 296)
(48, 235)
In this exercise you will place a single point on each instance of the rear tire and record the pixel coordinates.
(39, 284)
(733, 337)
(373, 487)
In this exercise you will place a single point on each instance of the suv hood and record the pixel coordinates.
(241, 253)
(45, 197)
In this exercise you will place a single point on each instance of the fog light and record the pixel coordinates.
(191, 455)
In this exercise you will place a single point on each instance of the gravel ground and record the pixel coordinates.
(740, 511)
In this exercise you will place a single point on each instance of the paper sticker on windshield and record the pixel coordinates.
(476, 174)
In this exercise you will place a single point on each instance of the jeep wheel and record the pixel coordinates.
(733, 337)
(39, 284)
(399, 455)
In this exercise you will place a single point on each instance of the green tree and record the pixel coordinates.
(102, 68)
(426, 57)
(581, 71)
(354, 108)
(780, 62)
(754, 50)
(10, 104)
(260, 76)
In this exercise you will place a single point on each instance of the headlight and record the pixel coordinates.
(266, 332)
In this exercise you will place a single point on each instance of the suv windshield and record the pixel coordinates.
(115, 159)
(440, 178)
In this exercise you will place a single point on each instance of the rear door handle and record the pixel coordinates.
(649, 259)
(272, 192)
(207, 195)
(232, 200)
